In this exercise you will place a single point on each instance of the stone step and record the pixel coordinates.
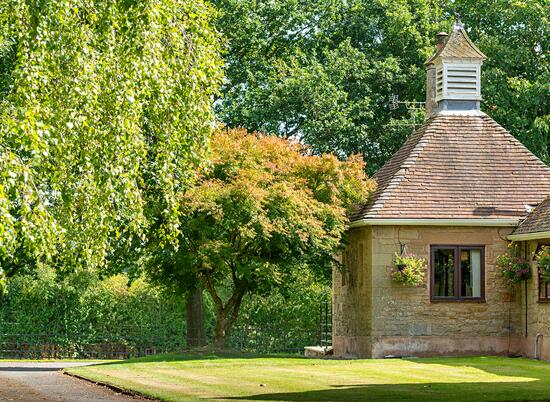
(317, 351)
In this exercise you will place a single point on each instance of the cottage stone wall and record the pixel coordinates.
(378, 317)
(352, 297)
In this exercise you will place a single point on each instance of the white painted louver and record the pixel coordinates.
(458, 81)
(439, 82)
(462, 80)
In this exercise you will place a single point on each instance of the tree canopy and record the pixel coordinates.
(263, 209)
(324, 70)
(105, 112)
(516, 75)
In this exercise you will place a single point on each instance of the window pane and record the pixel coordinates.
(470, 273)
(444, 272)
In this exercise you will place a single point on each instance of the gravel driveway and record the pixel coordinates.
(44, 382)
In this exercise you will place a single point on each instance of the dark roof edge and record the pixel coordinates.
(494, 222)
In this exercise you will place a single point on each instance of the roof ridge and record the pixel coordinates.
(494, 123)
(403, 166)
(471, 43)
(516, 142)
(380, 192)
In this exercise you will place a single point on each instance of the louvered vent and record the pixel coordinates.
(439, 82)
(457, 81)
(462, 80)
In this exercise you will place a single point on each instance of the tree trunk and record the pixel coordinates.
(194, 314)
(226, 316)
(220, 333)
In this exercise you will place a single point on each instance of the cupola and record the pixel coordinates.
(453, 80)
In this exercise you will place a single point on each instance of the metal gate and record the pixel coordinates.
(325, 323)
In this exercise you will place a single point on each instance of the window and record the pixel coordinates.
(544, 294)
(457, 273)
(544, 286)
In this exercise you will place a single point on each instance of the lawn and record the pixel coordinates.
(284, 378)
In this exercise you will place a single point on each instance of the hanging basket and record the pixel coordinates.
(408, 270)
(514, 269)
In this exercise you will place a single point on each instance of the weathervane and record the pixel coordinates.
(458, 23)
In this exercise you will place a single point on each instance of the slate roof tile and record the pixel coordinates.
(458, 166)
(537, 221)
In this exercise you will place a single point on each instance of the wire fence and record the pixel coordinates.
(20, 341)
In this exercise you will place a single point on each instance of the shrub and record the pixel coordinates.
(2, 283)
(284, 320)
(408, 269)
(85, 305)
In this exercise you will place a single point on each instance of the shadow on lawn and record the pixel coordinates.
(502, 391)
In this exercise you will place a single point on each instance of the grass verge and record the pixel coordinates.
(288, 378)
(98, 361)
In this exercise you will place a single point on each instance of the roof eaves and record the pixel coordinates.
(529, 236)
(489, 222)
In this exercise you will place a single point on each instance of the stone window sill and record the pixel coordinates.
(459, 301)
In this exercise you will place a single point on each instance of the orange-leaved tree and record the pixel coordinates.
(262, 208)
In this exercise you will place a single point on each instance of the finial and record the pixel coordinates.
(458, 24)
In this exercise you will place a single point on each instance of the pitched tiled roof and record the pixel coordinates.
(537, 221)
(458, 166)
(458, 45)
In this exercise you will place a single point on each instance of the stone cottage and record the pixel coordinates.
(456, 194)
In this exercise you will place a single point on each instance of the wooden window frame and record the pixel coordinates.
(458, 273)
(546, 298)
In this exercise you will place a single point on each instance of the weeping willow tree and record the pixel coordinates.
(105, 112)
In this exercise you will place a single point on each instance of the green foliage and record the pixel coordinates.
(262, 211)
(293, 306)
(323, 70)
(80, 309)
(2, 284)
(286, 319)
(105, 112)
(516, 76)
(409, 269)
(91, 308)
(543, 260)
